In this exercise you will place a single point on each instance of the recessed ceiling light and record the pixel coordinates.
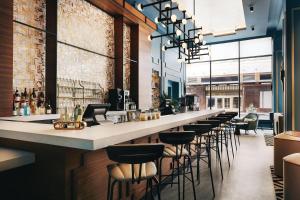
(251, 8)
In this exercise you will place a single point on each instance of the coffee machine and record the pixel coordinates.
(118, 99)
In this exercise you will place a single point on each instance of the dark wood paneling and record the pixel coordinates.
(63, 173)
(118, 34)
(51, 52)
(134, 66)
(6, 57)
(134, 11)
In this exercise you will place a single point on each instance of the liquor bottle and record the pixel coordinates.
(41, 103)
(48, 108)
(23, 100)
(33, 101)
(17, 96)
(26, 95)
(15, 112)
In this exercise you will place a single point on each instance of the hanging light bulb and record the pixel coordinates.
(173, 18)
(163, 48)
(200, 38)
(169, 42)
(139, 6)
(150, 37)
(178, 32)
(193, 17)
(204, 42)
(184, 21)
(156, 20)
(197, 40)
(184, 45)
(167, 6)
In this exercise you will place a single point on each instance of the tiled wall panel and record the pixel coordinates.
(126, 56)
(91, 30)
(29, 45)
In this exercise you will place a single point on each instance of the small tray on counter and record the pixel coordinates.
(68, 125)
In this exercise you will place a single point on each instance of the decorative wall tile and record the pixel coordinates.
(82, 24)
(85, 26)
(126, 56)
(29, 45)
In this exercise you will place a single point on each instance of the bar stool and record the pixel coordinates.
(214, 140)
(201, 142)
(134, 163)
(230, 126)
(222, 135)
(179, 140)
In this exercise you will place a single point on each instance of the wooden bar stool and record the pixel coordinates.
(178, 152)
(134, 163)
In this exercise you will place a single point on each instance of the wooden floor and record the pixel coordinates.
(248, 178)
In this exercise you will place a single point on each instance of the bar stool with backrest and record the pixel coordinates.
(177, 152)
(226, 129)
(230, 116)
(222, 135)
(214, 140)
(200, 143)
(134, 163)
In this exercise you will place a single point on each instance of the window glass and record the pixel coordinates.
(256, 47)
(224, 51)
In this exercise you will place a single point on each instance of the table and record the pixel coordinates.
(238, 126)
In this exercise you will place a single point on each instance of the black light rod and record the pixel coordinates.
(154, 3)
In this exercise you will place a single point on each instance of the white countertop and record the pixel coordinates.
(31, 118)
(97, 137)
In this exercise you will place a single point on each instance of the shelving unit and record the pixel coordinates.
(72, 92)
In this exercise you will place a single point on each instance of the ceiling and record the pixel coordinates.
(266, 16)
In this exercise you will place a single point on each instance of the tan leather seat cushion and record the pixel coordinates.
(171, 152)
(123, 171)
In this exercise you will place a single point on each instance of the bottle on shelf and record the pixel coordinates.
(48, 108)
(15, 112)
(33, 103)
(17, 97)
(41, 103)
(26, 96)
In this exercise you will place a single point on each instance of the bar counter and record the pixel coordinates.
(71, 164)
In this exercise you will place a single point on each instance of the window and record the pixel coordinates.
(224, 51)
(265, 99)
(227, 102)
(256, 47)
(220, 103)
(211, 102)
(254, 76)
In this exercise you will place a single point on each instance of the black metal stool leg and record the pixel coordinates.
(226, 145)
(108, 187)
(209, 165)
(111, 196)
(219, 157)
(157, 186)
(178, 177)
(183, 177)
(120, 190)
(192, 176)
(146, 192)
(234, 136)
(229, 133)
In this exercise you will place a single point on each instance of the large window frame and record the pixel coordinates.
(239, 58)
